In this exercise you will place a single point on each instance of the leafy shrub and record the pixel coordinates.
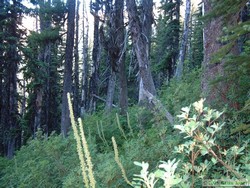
(177, 94)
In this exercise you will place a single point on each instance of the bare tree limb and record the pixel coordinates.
(102, 99)
(159, 106)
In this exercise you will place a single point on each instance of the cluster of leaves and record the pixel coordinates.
(205, 159)
(201, 126)
(166, 172)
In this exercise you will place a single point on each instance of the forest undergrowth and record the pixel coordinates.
(149, 152)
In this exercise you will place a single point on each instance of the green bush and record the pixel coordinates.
(177, 94)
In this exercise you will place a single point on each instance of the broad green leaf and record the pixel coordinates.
(199, 106)
(214, 160)
(185, 109)
(203, 151)
(210, 130)
(159, 173)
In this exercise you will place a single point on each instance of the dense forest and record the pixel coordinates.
(124, 93)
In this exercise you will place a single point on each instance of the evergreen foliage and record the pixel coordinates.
(41, 69)
(195, 57)
(10, 59)
(166, 43)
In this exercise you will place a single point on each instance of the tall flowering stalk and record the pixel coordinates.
(82, 150)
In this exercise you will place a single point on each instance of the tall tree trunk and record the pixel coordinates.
(84, 94)
(76, 70)
(190, 36)
(114, 45)
(147, 20)
(12, 56)
(1, 84)
(47, 93)
(109, 46)
(184, 41)
(96, 59)
(141, 46)
(211, 32)
(121, 42)
(67, 78)
(42, 89)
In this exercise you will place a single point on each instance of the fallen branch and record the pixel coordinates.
(102, 99)
(159, 106)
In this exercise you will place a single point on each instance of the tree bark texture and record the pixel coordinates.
(141, 46)
(121, 42)
(67, 78)
(212, 31)
(147, 20)
(211, 34)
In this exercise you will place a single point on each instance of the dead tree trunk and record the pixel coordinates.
(85, 69)
(114, 45)
(141, 45)
(184, 41)
(67, 78)
(111, 91)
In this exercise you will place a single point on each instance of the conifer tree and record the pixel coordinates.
(195, 57)
(166, 48)
(121, 42)
(42, 62)
(114, 43)
(184, 42)
(10, 38)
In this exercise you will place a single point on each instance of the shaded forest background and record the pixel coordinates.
(135, 72)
